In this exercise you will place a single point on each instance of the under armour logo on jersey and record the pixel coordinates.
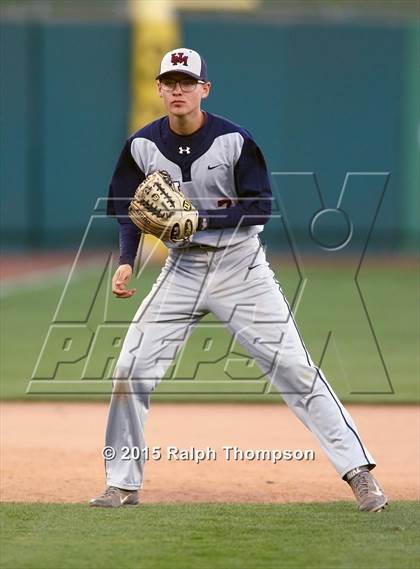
(187, 150)
(179, 58)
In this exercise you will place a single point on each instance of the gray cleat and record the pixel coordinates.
(115, 497)
(369, 495)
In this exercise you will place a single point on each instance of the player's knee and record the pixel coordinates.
(122, 372)
(140, 368)
(134, 387)
(138, 379)
(295, 377)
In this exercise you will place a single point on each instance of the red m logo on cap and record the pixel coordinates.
(179, 58)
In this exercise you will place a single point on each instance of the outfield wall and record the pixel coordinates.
(328, 99)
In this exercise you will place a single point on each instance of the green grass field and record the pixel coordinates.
(219, 536)
(210, 536)
(330, 305)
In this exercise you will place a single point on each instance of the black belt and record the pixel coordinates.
(199, 247)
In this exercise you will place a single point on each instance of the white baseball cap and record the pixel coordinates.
(183, 60)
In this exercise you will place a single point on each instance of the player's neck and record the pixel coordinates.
(187, 124)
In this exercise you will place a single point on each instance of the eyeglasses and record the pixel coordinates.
(187, 85)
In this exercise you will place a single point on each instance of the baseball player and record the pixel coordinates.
(220, 267)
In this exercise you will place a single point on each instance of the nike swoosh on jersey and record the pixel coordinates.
(253, 267)
(213, 167)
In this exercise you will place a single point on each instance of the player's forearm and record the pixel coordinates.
(129, 241)
(240, 215)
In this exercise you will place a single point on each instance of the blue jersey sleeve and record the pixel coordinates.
(253, 189)
(126, 178)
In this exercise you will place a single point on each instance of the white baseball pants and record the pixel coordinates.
(237, 285)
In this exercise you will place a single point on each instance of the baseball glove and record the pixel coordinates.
(160, 208)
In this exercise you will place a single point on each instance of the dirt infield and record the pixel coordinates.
(51, 452)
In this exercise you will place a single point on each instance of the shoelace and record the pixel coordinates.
(361, 483)
(110, 490)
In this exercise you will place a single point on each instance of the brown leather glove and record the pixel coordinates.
(160, 208)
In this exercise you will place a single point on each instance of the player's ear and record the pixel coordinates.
(159, 88)
(206, 90)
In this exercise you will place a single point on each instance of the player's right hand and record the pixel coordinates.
(120, 281)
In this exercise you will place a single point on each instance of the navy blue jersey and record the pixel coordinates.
(221, 171)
